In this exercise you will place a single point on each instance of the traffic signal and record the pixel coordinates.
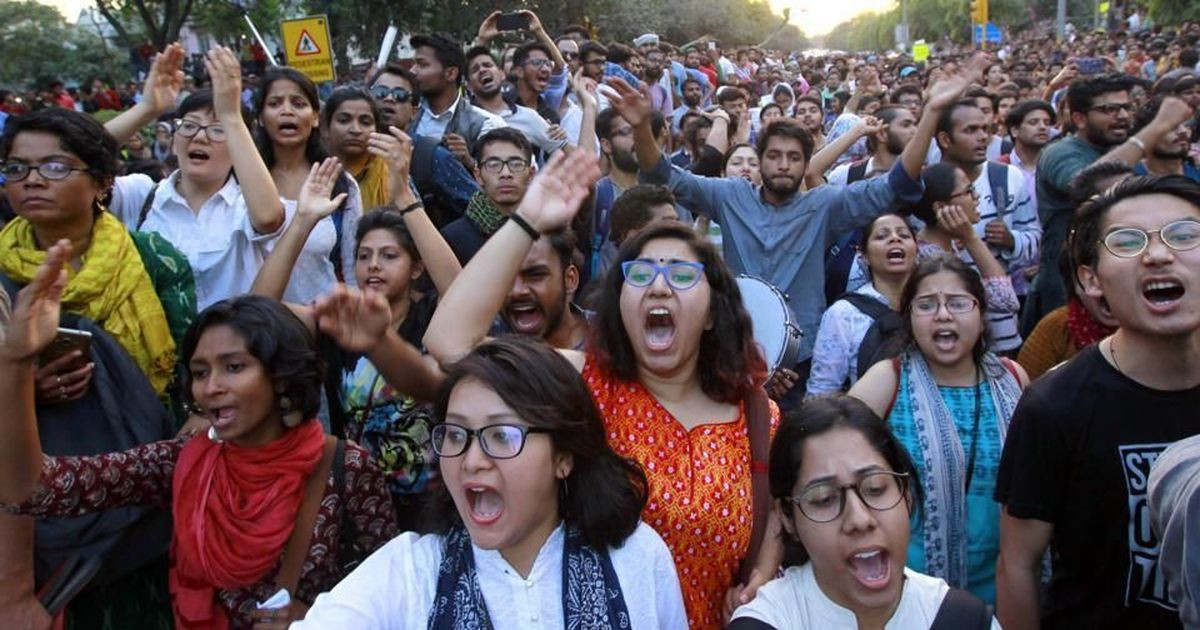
(979, 11)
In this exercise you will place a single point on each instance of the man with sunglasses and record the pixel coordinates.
(1073, 474)
(445, 185)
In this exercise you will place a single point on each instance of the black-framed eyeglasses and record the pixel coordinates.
(499, 441)
(515, 165)
(53, 170)
(970, 190)
(928, 305)
(539, 63)
(1112, 109)
(1129, 242)
(880, 490)
(383, 92)
(680, 275)
(570, 56)
(189, 129)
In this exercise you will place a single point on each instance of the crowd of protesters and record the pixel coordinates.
(487, 338)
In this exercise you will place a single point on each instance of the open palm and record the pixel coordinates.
(314, 198)
(356, 320)
(558, 190)
(35, 316)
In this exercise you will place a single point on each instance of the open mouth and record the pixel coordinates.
(221, 417)
(945, 339)
(659, 329)
(870, 567)
(198, 155)
(525, 317)
(1162, 292)
(896, 254)
(375, 282)
(485, 504)
(288, 127)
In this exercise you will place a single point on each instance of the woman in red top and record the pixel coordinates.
(669, 364)
(236, 492)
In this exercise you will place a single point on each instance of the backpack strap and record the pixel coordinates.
(758, 420)
(348, 555)
(146, 205)
(960, 610)
(998, 180)
(1012, 369)
(868, 305)
(296, 549)
(858, 171)
(422, 163)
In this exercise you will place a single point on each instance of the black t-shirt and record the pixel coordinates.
(464, 239)
(1078, 455)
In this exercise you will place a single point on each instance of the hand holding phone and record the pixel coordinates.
(65, 342)
(512, 22)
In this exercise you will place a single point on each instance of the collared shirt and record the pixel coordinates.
(396, 586)
(532, 124)
(431, 124)
(219, 240)
(785, 244)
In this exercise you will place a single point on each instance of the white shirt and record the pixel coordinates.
(313, 275)
(396, 586)
(434, 125)
(796, 602)
(221, 245)
(536, 129)
(835, 351)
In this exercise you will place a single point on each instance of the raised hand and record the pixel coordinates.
(868, 125)
(943, 93)
(395, 148)
(164, 80)
(555, 194)
(1173, 112)
(631, 103)
(535, 24)
(314, 202)
(35, 316)
(488, 30)
(226, 74)
(585, 90)
(356, 320)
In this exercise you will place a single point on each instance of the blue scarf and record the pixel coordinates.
(591, 595)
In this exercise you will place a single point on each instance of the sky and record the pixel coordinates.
(814, 17)
(817, 17)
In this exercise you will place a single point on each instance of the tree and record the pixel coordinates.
(1174, 11)
(37, 44)
(156, 21)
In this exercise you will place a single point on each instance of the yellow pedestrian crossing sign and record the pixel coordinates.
(306, 41)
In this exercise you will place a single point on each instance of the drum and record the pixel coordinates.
(775, 330)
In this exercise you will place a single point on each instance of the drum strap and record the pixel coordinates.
(758, 419)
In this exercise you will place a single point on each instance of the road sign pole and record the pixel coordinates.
(259, 37)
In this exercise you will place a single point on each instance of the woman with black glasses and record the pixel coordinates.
(846, 490)
(538, 523)
(948, 400)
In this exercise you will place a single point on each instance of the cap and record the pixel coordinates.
(649, 39)
(907, 70)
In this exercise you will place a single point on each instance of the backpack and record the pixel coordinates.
(884, 338)
(840, 256)
(421, 171)
(998, 179)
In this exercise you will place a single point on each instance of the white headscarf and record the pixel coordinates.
(1174, 495)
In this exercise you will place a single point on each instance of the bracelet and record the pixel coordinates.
(411, 207)
(524, 225)
(1138, 141)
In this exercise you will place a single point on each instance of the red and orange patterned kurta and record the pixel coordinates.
(700, 501)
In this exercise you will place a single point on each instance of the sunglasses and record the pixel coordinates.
(401, 95)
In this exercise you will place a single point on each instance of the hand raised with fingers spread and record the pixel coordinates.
(356, 320)
(226, 74)
(35, 315)
(631, 103)
(314, 202)
(556, 192)
(869, 125)
(165, 79)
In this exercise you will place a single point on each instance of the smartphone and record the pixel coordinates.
(512, 22)
(66, 341)
(1090, 65)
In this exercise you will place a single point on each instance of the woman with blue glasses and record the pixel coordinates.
(673, 368)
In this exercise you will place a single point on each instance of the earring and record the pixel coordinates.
(290, 417)
(212, 435)
(564, 494)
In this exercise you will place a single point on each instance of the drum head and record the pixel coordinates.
(769, 314)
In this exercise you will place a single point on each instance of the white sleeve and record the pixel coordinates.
(1022, 219)
(129, 194)
(350, 218)
(671, 612)
(831, 351)
(392, 589)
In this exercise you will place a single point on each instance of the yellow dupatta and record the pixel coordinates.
(111, 287)
(374, 182)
